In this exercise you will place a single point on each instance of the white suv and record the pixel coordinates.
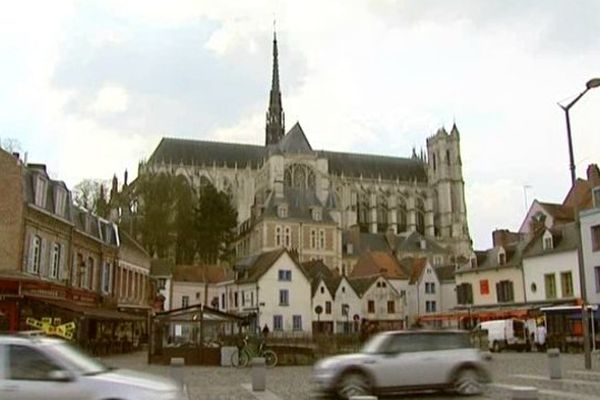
(33, 368)
(405, 361)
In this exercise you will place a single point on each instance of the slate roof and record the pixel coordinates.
(361, 285)
(319, 272)
(414, 268)
(364, 241)
(564, 238)
(202, 273)
(412, 243)
(299, 204)
(250, 269)
(558, 211)
(132, 243)
(376, 263)
(198, 152)
(445, 273)
(161, 267)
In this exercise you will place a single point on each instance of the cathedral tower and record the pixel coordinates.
(444, 171)
(275, 127)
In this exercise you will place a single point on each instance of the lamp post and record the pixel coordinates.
(591, 84)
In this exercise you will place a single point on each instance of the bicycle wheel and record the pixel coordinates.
(235, 358)
(270, 358)
(244, 359)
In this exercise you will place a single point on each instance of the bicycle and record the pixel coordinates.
(242, 356)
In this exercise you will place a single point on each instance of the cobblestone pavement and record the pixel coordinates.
(293, 383)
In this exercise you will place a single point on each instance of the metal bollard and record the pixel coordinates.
(259, 374)
(554, 366)
(523, 393)
(362, 397)
(177, 364)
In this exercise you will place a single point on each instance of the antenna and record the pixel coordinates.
(525, 187)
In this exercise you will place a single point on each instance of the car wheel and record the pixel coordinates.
(353, 384)
(468, 382)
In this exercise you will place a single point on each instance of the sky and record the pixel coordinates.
(90, 87)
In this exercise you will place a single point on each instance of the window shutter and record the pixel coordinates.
(61, 263)
(511, 292)
(43, 267)
(30, 256)
(498, 292)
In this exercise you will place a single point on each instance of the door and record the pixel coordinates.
(27, 373)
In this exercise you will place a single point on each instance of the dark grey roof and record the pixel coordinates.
(374, 166)
(161, 267)
(299, 203)
(361, 285)
(412, 243)
(198, 152)
(363, 242)
(295, 141)
(445, 272)
(564, 238)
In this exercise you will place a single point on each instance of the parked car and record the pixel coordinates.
(37, 367)
(400, 361)
(505, 334)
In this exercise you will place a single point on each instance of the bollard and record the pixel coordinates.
(523, 393)
(363, 397)
(259, 374)
(554, 366)
(177, 364)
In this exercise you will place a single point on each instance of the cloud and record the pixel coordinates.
(110, 99)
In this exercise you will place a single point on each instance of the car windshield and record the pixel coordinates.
(375, 344)
(79, 361)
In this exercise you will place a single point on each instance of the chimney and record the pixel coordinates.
(593, 174)
(16, 155)
(504, 237)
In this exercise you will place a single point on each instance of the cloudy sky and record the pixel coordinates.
(89, 88)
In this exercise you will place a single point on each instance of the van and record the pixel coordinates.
(505, 334)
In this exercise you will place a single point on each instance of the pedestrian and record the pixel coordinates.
(541, 337)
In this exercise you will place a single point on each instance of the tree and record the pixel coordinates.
(10, 145)
(90, 194)
(215, 223)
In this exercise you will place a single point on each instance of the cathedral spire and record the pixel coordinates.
(275, 118)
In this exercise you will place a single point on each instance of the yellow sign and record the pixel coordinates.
(53, 326)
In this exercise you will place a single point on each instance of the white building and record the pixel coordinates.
(347, 308)
(590, 241)
(550, 266)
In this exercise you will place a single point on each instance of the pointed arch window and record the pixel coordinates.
(363, 211)
(401, 215)
(420, 215)
(382, 214)
(299, 176)
(287, 236)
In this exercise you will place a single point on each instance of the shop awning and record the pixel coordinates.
(90, 312)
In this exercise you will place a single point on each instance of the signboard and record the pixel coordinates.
(53, 326)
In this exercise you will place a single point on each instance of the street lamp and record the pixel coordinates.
(591, 84)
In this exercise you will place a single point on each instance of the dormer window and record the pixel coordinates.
(501, 257)
(40, 191)
(596, 196)
(317, 214)
(60, 201)
(282, 211)
(547, 241)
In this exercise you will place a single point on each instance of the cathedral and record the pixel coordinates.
(288, 194)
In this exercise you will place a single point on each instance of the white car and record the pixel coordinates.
(34, 368)
(405, 361)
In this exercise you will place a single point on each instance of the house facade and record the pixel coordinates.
(590, 240)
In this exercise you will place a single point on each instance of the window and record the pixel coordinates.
(277, 322)
(287, 237)
(284, 297)
(345, 309)
(278, 240)
(313, 239)
(595, 238)
(596, 196)
(321, 239)
(88, 274)
(27, 363)
(322, 289)
(437, 260)
(316, 214)
(464, 293)
(547, 244)
(162, 283)
(597, 270)
(566, 284)
(36, 255)
(40, 192)
(328, 306)
(502, 258)
(285, 275)
(235, 299)
(430, 306)
(243, 296)
(448, 157)
(297, 322)
(60, 201)
(484, 287)
(430, 287)
(185, 301)
(371, 307)
(550, 286)
(391, 307)
(282, 211)
(55, 261)
(197, 295)
(504, 291)
(106, 278)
